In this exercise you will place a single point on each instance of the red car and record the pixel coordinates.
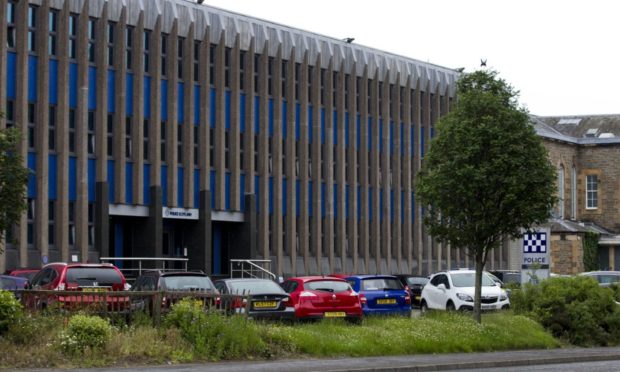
(24, 273)
(91, 282)
(317, 297)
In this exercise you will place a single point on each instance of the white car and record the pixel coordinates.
(454, 290)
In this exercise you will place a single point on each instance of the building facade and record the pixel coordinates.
(164, 128)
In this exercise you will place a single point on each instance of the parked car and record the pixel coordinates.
(381, 294)
(267, 299)
(91, 282)
(24, 273)
(414, 285)
(604, 278)
(13, 284)
(170, 281)
(454, 290)
(317, 297)
(510, 278)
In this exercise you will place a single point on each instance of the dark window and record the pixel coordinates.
(283, 75)
(128, 133)
(197, 60)
(212, 49)
(310, 78)
(53, 29)
(92, 32)
(110, 42)
(10, 114)
(146, 40)
(256, 68)
(297, 79)
(91, 133)
(32, 27)
(163, 141)
(196, 140)
(180, 143)
(88, 276)
(328, 286)
(227, 67)
(10, 20)
(71, 223)
(30, 216)
(50, 216)
(242, 61)
(241, 151)
(72, 130)
(129, 46)
(51, 128)
(73, 26)
(270, 80)
(145, 139)
(180, 53)
(91, 224)
(164, 53)
(110, 135)
(31, 125)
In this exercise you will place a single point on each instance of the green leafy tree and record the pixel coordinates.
(487, 174)
(13, 179)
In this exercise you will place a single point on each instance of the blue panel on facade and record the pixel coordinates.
(180, 186)
(32, 78)
(270, 116)
(72, 178)
(297, 197)
(370, 204)
(147, 184)
(323, 197)
(256, 116)
(196, 104)
(227, 191)
(164, 100)
(242, 112)
(297, 118)
(180, 102)
(164, 184)
(284, 197)
(212, 185)
(129, 182)
(52, 86)
(11, 75)
(242, 192)
(111, 181)
(53, 177)
(32, 176)
(310, 190)
(421, 142)
(310, 123)
(270, 195)
(92, 167)
(227, 109)
(111, 90)
(92, 88)
(284, 121)
(212, 107)
(322, 125)
(147, 97)
(196, 188)
(73, 84)
(129, 94)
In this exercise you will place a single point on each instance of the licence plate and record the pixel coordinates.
(335, 314)
(94, 289)
(417, 298)
(386, 301)
(488, 307)
(265, 304)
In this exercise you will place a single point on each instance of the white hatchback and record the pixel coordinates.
(454, 290)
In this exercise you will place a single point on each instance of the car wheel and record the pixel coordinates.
(450, 306)
(423, 307)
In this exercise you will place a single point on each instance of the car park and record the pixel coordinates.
(91, 284)
(454, 290)
(414, 285)
(267, 300)
(171, 282)
(381, 294)
(604, 278)
(318, 297)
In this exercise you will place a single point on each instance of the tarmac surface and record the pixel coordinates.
(426, 362)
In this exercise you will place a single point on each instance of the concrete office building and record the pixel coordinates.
(164, 128)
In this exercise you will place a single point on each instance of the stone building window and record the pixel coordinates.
(591, 191)
(561, 192)
(573, 194)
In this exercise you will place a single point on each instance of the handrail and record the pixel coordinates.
(163, 260)
(252, 264)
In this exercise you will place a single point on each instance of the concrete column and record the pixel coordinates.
(352, 174)
(304, 192)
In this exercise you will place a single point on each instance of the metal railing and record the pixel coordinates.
(159, 264)
(251, 269)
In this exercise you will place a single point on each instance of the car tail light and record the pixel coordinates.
(61, 287)
(127, 286)
(407, 288)
(363, 299)
(287, 302)
(408, 299)
(218, 301)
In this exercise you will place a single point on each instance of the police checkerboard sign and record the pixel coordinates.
(535, 242)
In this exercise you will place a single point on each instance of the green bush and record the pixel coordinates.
(84, 331)
(10, 310)
(576, 309)
(213, 335)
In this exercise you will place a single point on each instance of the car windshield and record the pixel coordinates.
(93, 276)
(328, 286)
(255, 287)
(468, 280)
(378, 284)
(608, 278)
(416, 280)
(187, 282)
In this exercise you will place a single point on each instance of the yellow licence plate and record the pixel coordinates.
(94, 289)
(265, 304)
(335, 314)
(386, 301)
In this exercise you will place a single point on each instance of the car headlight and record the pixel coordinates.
(464, 297)
(503, 296)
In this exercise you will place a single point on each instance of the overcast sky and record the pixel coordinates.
(563, 56)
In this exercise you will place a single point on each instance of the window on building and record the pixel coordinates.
(358, 87)
(334, 88)
(164, 53)
(241, 151)
(227, 67)
(73, 27)
(196, 141)
(128, 141)
(72, 131)
(591, 191)
(270, 80)
(71, 226)
(91, 225)
(211, 148)
(227, 149)
(53, 29)
(255, 153)
(242, 60)
(92, 33)
(322, 86)
(50, 227)
(310, 79)
(146, 42)
(561, 192)
(256, 68)
(180, 53)
(129, 31)
(10, 114)
(180, 143)
(197, 61)
(30, 217)
(380, 95)
(51, 128)
(297, 79)
(162, 145)
(212, 51)
(573, 194)
(145, 140)
(32, 27)
(31, 125)
(10, 20)
(284, 76)
(110, 42)
(91, 133)
(110, 135)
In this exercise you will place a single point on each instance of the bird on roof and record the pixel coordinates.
(483, 63)
(348, 40)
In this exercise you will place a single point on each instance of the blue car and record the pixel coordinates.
(381, 294)
(13, 284)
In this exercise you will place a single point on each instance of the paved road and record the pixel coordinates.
(520, 360)
(612, 365)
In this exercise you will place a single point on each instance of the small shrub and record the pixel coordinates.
(84, 332)
(10, 310)
(576, 309)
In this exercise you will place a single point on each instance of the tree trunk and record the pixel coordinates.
(477, 294)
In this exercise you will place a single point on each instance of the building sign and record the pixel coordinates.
(535, 264)
(180, 213)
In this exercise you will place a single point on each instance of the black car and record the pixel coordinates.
(414, 284)
(172, 283)
(267, 299)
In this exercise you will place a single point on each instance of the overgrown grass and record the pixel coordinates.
(35, 343)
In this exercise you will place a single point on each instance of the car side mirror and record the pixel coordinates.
(442, 287)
